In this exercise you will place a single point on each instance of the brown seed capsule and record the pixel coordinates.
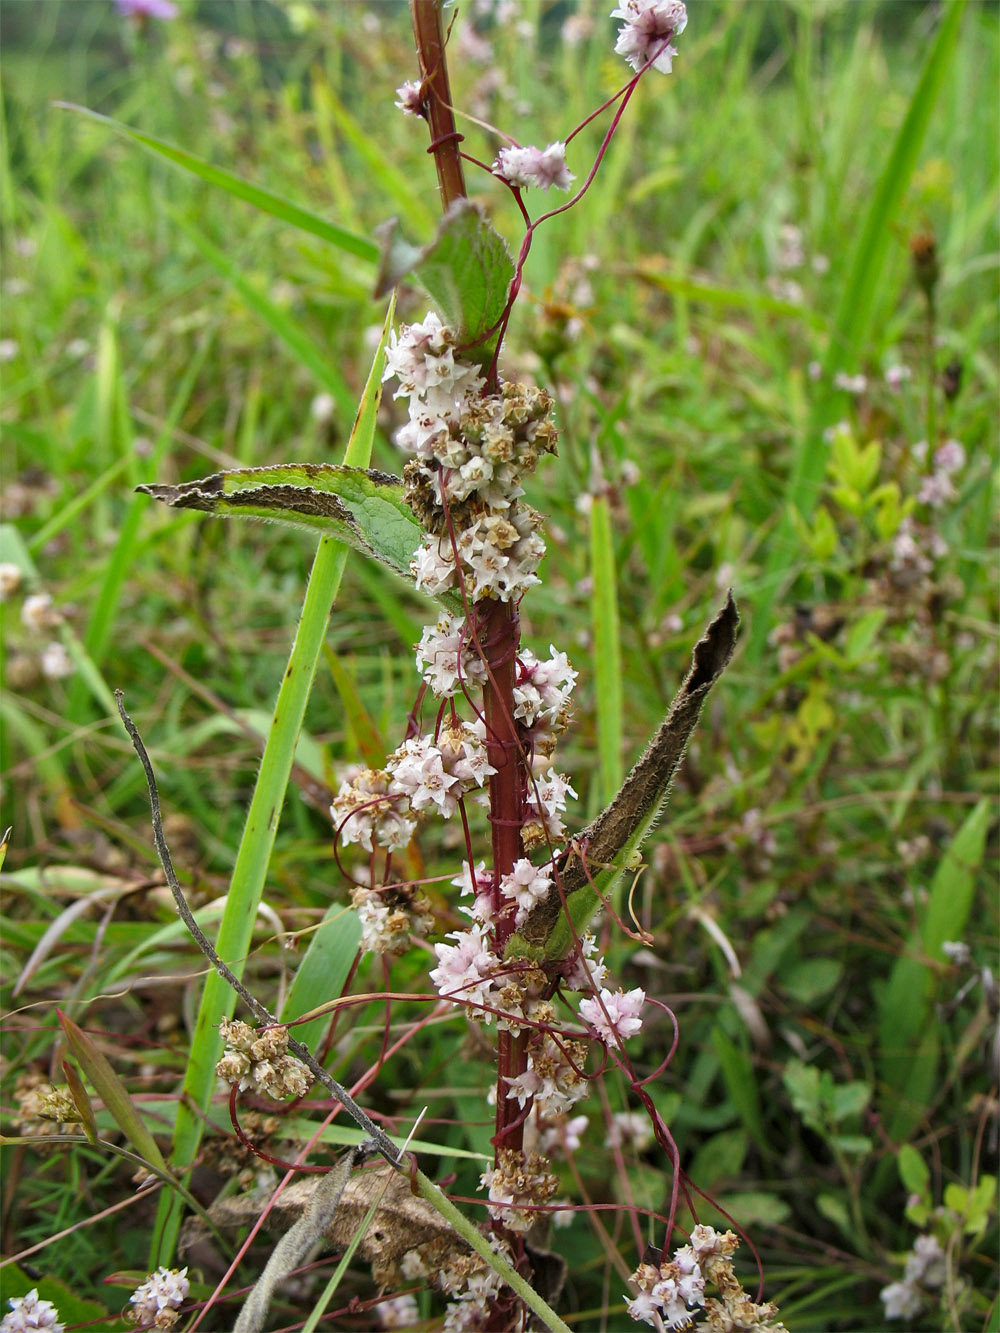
(923, 251)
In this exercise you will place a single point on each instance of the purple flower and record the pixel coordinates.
(147, 9)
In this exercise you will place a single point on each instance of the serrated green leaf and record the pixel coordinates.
(359, 506)
(466, 270)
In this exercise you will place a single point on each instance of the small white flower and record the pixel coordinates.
(10, 580)
(901, 1300)
(28, 1313)
(525, 167)
(166, 1289)
(56, 662)
(525, 885)
(9, 348)
(322, 407)
(410, 97)
(936, 490)
(648, 24)
(629, 1129)
(852, 384)
(950, 457)
(38, 613)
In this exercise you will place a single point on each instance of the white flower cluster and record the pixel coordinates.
(552, 1081)
(469, 451)
(259, 1061)
(925, 1268)
(446, 658)
(156, 1301)
(543, 807)
(435, 776)
(381, 806)
(668, 1295)
(389, 916)
(541, 697)
(648, 24)
(915, 549)
(541, 167)
(937, 489)
(30, 1312)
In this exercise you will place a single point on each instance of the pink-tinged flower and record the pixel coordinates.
(936, 490)
(896, 376)
(525, 885)
(853, 384)
(543, 168)
(648, 24)
(147, 9)
(615, 1017)
(411, 99)
(950, 457)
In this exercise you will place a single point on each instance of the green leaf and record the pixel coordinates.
(905, 1003)
(862, 635)
(913, 1170)
(322, 972)
(802, 1083)
(849, 1099)
(810, 978)
(621, 828)
(466, 269)
(854, 1144)
(954, 883)
(835, 1210)
(112, 1091)
(741, 1084)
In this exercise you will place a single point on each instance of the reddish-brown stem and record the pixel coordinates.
(499, 638)
(445, 138)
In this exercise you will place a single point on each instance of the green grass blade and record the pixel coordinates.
(256, 845)
(235, 185)
(607, 650)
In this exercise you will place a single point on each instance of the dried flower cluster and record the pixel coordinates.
(259, 1061)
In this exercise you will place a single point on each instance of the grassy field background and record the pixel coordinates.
(747, 366)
